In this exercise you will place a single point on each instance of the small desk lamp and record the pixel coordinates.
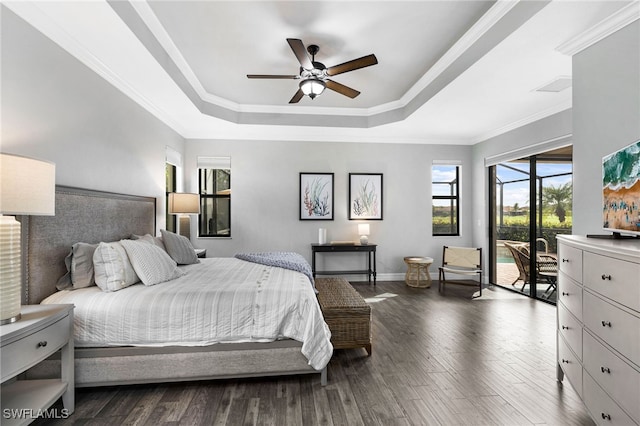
(184, 204)
(363, 231)
(27, 187)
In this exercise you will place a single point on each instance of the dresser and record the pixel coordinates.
(598, 333)
(41, 331)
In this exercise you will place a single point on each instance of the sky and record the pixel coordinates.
(519, 192)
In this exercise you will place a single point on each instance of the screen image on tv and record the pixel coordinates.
(621, 190)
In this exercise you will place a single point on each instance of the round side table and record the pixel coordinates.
(418, 271)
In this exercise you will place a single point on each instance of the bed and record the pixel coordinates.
(133, 354)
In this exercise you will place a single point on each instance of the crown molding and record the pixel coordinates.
(38, 15)
(498, 11)
(562, 106)
(601, 30)
(468, 39)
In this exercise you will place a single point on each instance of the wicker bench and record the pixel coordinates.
(346, 313)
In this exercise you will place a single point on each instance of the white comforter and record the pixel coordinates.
(219, 300)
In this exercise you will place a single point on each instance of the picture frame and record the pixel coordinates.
(365, 196)
(316, 196)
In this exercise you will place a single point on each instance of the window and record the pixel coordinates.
(445, 190)
(214, 180)
(170, 175)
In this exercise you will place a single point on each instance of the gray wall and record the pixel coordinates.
(606, 116)
(265, 205)
(55, 108)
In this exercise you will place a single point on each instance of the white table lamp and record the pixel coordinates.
(27, 187)
(184, 204)
(363, 231)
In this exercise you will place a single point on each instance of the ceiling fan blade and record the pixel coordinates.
(286, 77)
(296, 98)
(341, 88)
(355, 64)
(301, 53)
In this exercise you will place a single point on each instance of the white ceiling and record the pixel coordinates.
(449, 71)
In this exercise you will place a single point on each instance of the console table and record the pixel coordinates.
(368, 249)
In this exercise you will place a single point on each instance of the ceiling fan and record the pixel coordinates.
(315, 76)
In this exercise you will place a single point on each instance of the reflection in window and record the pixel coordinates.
(445, 191)
(214, 178)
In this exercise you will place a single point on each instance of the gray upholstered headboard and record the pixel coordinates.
(82, 215)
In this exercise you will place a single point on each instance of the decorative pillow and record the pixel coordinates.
(152, 264)
(112, 267)
(79, 264)
(150, 239)
(179, 248)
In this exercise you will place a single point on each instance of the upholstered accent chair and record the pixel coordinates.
(460, 261)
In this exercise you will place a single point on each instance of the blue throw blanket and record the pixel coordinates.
(286, 260)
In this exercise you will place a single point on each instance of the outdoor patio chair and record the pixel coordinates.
(460, 261)
(546, 266)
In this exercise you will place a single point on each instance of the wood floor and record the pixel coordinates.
(438, 359)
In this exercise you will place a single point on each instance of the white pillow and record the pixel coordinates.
(152, 264)
(112, 267)
(179, 248)
(150, 239)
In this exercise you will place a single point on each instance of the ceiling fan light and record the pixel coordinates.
(312, 87)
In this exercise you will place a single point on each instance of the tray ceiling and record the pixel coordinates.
(448, 71)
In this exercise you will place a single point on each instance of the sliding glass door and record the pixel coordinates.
(531, 204)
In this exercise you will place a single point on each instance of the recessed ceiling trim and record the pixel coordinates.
(603, 29)
(502, 18)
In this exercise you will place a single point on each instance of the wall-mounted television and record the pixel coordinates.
(621, 191)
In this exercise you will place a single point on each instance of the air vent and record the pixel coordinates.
(556, 85)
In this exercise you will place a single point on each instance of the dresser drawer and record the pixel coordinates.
(571, 329)
(570, 261)
(617, 328)
(570, 365)
(22, 354)
(615, 376)
(570, 295)
(603, 409)
(616, 279)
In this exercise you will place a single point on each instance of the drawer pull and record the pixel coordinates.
(565, 260)
(605, 416)
(605, 370)
(606, 277)
(42, 344)
(606, 323)
(565, 294)
(566, 361)
(564, 327)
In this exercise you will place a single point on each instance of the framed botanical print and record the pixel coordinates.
(365, 196)
(316, 196)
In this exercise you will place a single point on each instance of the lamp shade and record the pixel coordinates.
(184, 203)
(27, 186)
(363, 229)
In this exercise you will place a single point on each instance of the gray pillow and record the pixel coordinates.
(152, 264)
(79, 263)
(179, 248)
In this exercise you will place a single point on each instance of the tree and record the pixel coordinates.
(558, 199)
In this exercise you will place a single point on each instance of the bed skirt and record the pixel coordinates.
(136, 365)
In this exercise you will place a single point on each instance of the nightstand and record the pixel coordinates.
(201, 253)
(41, 331)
